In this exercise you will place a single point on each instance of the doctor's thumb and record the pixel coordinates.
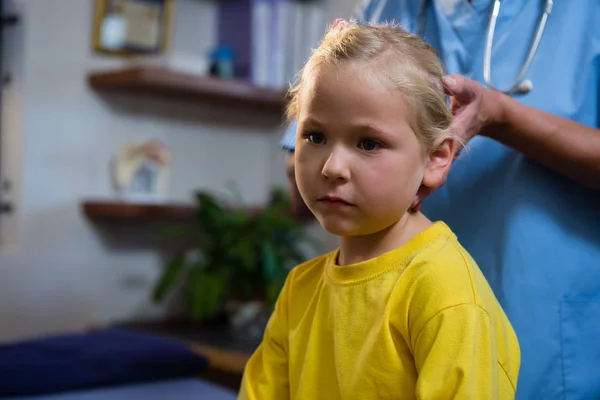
(462, 88)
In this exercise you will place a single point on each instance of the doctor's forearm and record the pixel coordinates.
(569, 148)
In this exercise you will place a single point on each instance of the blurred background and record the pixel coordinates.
(120, 119)
(62, 268)
(146, 223)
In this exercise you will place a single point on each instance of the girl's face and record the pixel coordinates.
(358, 162)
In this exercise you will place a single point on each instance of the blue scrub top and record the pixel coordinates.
(534, 233)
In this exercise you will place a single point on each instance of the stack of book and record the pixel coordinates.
(271, 39)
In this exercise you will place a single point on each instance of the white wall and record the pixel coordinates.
(61, 274)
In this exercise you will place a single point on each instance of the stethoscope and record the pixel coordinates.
(520, 86)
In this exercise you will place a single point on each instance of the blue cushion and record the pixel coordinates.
(173, 389)
(88, 360)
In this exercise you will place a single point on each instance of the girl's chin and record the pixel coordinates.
(341, 226)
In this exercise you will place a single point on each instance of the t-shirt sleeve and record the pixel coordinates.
(266, 375)
(455, 357)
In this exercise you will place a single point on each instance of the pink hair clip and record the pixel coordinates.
(340, 23)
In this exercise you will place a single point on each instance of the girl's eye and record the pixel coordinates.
(369, 145)
(315, 137)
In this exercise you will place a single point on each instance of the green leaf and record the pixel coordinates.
(246, 254)
(215, 293)
(269, 261)
(205, 293)
(168, 278)
(196, 288)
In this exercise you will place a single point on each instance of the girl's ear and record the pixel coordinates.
(438, 164)
(436, 172)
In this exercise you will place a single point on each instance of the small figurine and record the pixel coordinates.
(140, 171)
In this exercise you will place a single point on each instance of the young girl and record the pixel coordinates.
(400, 310)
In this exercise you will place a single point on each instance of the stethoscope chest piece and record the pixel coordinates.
(525, 87)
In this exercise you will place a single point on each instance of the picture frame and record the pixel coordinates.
(133, 27)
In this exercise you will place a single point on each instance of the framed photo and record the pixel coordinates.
(133, 27)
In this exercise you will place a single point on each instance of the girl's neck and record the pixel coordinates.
(354, 249)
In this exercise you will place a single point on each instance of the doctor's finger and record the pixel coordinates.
(463, 89)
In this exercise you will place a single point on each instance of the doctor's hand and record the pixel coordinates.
(474, 107)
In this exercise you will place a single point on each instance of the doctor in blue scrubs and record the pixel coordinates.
(524, 199)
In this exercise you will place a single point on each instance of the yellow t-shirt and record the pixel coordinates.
(417, 322)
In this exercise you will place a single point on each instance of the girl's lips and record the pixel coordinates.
(334, 201)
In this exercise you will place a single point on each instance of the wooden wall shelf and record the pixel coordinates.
(106, 209)
(115, 210)
(161, 81)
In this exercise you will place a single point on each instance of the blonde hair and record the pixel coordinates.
(394, 57)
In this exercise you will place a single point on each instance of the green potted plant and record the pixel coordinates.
(233, 254)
